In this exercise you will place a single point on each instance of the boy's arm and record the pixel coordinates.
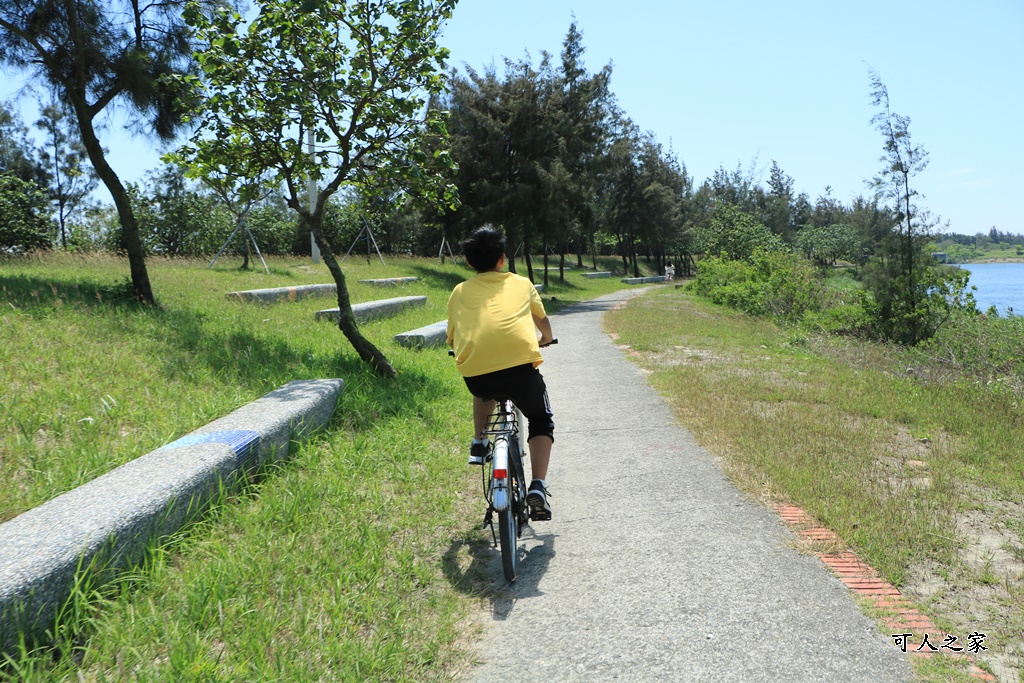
(544, 325)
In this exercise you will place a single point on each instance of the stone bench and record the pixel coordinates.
(429, 335)
(275, 294)
(644, 280)
(390, 281)
(372, 310)
(592, 276)
(107, 524)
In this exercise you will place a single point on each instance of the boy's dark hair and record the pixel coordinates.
(483, 247)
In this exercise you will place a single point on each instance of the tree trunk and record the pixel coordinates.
(529, 259)
(632, 254)
(245, 253)
(545, 262)
(141, 288)
(346, 320)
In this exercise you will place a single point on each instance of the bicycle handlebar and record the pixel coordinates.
(451, 352)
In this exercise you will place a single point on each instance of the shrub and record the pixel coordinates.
(981, 345)
(23, 215)
(774, 284)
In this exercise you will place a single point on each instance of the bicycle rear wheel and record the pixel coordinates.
(512, 519)
(508, 535)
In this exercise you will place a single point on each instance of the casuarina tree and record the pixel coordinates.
(353, 76)
(96, 53)
(912, 297)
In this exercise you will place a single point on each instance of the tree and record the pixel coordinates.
(176, 217)
(71, 177)
(779, 210)
(828, 244)
(23, 209)
(911, 296)
(622, 192)
(505, 141)
(736, 234)
(96, 53)
(585, 105)
(17, 154)
(355, 75)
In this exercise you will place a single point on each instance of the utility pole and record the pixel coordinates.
(314, 250)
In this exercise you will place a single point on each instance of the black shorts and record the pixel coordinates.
(525, 386)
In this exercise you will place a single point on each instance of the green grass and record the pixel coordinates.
(355, 561)
(852, 433)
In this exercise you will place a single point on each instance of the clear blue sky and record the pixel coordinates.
(742, 83)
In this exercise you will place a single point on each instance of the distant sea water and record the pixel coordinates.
(999, 284)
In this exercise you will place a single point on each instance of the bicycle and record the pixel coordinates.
(504, 482)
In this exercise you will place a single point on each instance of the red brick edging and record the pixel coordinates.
(863, 580)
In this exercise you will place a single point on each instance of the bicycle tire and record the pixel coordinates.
(509, 538)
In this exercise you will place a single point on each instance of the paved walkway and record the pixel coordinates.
(655, 568)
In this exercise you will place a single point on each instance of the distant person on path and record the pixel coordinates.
(493, 320)
(670, 271)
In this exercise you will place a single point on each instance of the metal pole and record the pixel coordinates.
(313, 248)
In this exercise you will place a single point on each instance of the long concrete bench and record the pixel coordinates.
(106, 524)
(592, 276)
(644, 280)
(429, 335)
(372, 310)
(275, 294)
(390, 281)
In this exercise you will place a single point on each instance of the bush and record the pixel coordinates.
(273, 228)
(23, 215)
(774, 284)
(981, 345)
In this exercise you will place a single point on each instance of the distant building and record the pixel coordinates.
(939, 256)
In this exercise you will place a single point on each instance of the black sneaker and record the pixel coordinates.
(537, 501)
(479, 453)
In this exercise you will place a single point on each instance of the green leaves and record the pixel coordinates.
(356, 74)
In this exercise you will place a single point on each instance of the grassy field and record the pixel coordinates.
(353, 562)
(359, 559)
(924, 479)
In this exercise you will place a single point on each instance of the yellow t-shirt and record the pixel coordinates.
(490, 321)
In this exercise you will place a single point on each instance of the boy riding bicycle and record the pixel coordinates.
(493, 320)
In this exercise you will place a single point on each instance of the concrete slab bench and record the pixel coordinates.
(429, 335)
(592, 276)
(644, 280)
(390, 281)
(372, 310)
(275, 294)
(106, 524)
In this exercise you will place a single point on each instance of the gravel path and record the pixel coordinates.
(655, 568)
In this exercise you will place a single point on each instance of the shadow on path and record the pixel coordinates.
(483, 577)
